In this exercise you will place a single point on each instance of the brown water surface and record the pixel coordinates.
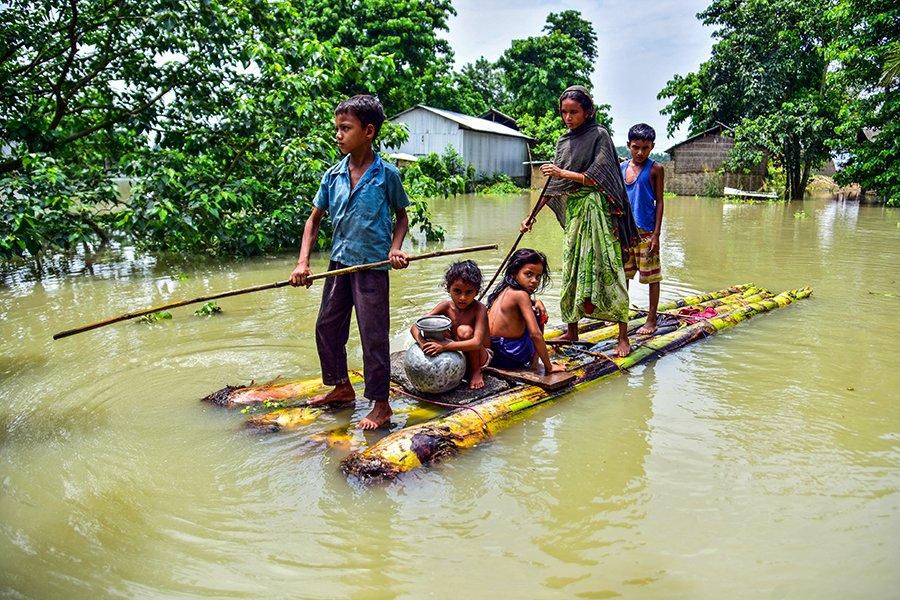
(764, 462)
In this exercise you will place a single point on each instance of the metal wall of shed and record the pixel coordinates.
(428, 132)
(496, 154)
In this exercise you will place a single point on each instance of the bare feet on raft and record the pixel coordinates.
(477, 381)
(648, 327)
(380, 415)
(623, 348)
(342, 392)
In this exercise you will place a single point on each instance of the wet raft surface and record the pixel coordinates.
(460, 396)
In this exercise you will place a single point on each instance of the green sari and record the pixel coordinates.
(592, 260)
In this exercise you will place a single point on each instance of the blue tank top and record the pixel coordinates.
(641, 196)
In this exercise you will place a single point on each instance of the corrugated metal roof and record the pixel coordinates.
(467, 122)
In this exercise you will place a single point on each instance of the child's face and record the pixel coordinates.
(640, 150)
(350, 134)
(529, 277)
(573, 114)
(462, 293)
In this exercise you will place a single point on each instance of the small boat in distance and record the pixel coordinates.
(730, 191)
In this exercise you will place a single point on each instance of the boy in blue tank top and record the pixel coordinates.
(644, 181)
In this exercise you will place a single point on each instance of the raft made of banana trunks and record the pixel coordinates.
(438, 426)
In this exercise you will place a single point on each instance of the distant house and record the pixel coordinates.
(491, 147)
(696, 166)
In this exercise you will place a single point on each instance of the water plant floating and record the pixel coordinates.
(155, 317)
(208, 309)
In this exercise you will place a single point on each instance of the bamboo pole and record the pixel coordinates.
(423, 444)
(531, 217)
(267, 286)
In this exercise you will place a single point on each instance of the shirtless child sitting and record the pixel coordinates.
(469, 321)
(516, 321)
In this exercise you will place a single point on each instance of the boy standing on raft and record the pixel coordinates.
(360, 193)
(588, 196)
(644, 182)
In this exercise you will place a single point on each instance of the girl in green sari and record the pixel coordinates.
(588, 196)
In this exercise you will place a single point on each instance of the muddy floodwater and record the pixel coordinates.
(761, 463)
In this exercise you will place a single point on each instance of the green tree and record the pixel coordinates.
(536, 70)
(571, 23)
(767, 76)
(866, 68)
(221, 116)
(406, 30)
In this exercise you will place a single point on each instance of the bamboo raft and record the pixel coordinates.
(433, 433)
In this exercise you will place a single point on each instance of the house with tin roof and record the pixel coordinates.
(491, 146)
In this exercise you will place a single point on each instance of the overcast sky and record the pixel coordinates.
(641, 44)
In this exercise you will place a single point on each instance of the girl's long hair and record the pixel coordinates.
(520, 258)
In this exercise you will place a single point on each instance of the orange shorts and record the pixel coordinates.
(640, 260)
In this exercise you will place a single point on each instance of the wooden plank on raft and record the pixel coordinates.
(549, 381)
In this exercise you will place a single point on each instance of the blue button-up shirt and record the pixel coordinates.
(362, 218)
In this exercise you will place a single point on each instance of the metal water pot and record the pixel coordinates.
(434, 374)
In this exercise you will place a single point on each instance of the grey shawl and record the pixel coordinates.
(589, 149)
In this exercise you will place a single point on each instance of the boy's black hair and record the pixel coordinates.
(366, 108)
(520, 258)
(642, 131)
(464, 270)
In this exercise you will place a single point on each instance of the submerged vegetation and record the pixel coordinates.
(156, 317)
(203, 128)
(208, 309)
(800, 82)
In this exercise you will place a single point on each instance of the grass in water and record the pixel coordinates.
(208, 309)
(155, 317)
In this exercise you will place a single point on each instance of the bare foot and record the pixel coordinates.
(571, 334)
(380, 415)
(342, 392)
(477, 381)
(647, 328)
(623, 348)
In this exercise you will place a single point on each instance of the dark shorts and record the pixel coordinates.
(512, 353)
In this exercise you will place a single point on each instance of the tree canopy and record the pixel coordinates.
(800, 81)
(220, 116)
(766, 78)
(866, 59)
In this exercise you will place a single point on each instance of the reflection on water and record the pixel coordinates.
(764, 460)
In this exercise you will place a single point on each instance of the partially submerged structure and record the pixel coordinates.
(491, 146)
(697, 167)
